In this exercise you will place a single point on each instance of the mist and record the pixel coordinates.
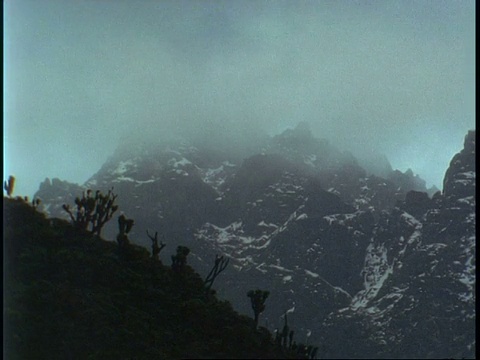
(391, 77)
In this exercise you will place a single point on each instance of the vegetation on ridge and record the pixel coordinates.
(71, 295)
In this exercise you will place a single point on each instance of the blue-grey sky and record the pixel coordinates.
(395, 77)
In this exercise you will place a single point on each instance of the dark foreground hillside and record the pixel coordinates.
(73, 296)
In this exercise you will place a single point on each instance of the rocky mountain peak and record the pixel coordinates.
(372, 257)
(297, 140)
(459, 181)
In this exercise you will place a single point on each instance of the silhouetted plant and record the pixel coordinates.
(35, 202)
(8, 186)
(93, 211)
(290, 339)
(258, 297)
(286, 336)
(155, 248)
(285, 331)
(180, 259)
(220, 265)
(124, 227)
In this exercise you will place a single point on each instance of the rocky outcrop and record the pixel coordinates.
(419, 288)
(459, 181)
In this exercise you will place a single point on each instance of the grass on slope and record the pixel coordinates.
(68, 295)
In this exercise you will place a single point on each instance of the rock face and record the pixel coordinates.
(365, 266)
(419, 277)
(459, 181)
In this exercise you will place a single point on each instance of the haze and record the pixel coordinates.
(395, 77)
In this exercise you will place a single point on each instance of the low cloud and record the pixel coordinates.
(392, 77)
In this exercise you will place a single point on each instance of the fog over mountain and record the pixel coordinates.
(391, 77)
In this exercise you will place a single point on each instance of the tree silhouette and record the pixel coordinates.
(124, 227)
(180, 259)
(8, 186)
(220, 265)
(258, 297)
(93, 211)
(155, 248)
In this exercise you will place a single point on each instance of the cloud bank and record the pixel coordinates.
(394, 77)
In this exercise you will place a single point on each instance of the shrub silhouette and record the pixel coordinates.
(155, 248)
(93, 211)
(8, 186)
(258, 297)
(180, 259)
(124, 227)
(220, 265)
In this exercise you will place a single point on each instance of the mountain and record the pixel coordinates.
(418, 298)
(365, 265)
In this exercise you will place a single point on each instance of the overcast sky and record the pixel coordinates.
(396, 77)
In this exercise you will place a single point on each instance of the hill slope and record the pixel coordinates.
(69, 295)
